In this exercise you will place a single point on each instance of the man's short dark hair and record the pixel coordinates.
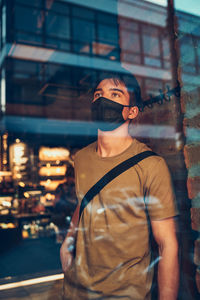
(128, 79)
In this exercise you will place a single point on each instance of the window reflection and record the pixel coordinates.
(43, 96)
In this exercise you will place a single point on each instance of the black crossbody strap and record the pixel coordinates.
(108, 177)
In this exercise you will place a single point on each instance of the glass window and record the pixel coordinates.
(83, 30)
(187, 50)
(25, 82)
(27, 67)
(57, 44)
(129, 41)
(0, 30)
(166, 48)
(88, 48)
(3, 32)
(150, 30)
(28, 19)
(151, 45)
(27, 37)
(106, 18)
(57, 25)
(36, 3)
(198, 50)
(131, 57)
(152, 61)
(57, 6)
(81, 12)
(189, 68)
(107, 34)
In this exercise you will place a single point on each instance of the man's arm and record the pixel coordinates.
(164, 232)
(66, 250)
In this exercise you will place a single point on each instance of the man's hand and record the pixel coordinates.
(67, 248)
(66, 256)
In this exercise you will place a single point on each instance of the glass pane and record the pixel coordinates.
(106, 18)
(28, 38)
(187, 50)
(167, 64)
(83, 30)
(198, 50)
(166, 48)
(57, 6)
(152, 61)
(151, 45)
(0, 29)
(188, 68)
(130, 41)
(107, 34)
(82, 12)
(28, 19)
(131, 57)
(25, 67)
(36, 3)
(57, 43)
(57, 25)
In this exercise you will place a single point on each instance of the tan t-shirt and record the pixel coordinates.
(112, 251)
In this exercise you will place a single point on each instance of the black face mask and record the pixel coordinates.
(107, 114)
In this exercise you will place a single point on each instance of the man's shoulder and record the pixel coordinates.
(154, 161)
(85, 151)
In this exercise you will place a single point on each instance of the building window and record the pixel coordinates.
(188, 55)
(130, 41)
(67, 27)
(151, 46)
(144, 44)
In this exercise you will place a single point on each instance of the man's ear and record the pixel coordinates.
(133, 112)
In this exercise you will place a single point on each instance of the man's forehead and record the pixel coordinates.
(111, 83)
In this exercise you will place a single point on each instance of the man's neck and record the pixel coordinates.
(113, 142)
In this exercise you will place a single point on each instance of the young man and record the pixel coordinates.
(113, 256)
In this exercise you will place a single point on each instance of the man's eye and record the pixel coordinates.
(97, 95)
(115, 95)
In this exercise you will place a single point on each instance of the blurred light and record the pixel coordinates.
(22, 184)
(52, 171)
(112, 57)
(31, 281)
(6, 203)
(53, 154)
(26, 195)
(17, 140)
(3, 91)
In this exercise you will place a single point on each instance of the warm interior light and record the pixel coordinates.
(31, 281)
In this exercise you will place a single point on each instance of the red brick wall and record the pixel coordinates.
(192, 160)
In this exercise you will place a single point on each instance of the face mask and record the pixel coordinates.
(107, 114)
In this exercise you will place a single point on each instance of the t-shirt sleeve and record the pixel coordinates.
(159, 198)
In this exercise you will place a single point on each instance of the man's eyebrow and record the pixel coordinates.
(117, 90)
(97, 90)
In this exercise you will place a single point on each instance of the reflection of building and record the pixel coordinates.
(52, 52)
(49, 55)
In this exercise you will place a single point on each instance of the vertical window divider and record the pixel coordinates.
(96, 31)
(160, 36)
(71, 30)
(140, 32)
